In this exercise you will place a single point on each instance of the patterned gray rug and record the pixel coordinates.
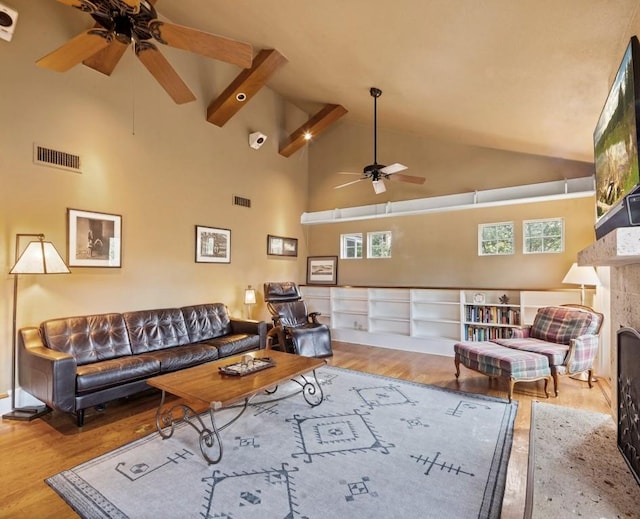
(375, 447)
(577, 468)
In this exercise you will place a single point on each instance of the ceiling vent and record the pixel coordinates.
(54, 158)
(242, 202)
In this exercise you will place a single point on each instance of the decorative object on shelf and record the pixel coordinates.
(213, 245)
(322, 270)
(281, 246)
(479, 298)
(39, 257)
(249, 299)
(93, 239)
(582, 276)
(504, 299)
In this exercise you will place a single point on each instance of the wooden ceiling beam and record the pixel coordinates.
(312, 128)
(245, 86)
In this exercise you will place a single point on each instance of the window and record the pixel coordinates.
(543, 236)
(351, 246)
(379, 244)
(495, 239)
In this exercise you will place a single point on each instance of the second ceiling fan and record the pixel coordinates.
(375, 172)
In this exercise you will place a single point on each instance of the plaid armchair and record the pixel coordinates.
(567, 335)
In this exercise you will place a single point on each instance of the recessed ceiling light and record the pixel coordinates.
(241, 96)
(307, 136)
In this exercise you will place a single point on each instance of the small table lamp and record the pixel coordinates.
(249, 299)
(39, 257)
(581, 276)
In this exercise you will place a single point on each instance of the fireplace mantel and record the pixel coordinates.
(617, 248)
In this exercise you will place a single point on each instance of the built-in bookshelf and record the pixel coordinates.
(427, 320)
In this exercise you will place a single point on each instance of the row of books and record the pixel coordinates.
(474, 333)
(492, 314)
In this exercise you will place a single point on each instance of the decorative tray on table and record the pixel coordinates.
(247, 365)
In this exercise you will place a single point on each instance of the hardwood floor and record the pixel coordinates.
(34, 451)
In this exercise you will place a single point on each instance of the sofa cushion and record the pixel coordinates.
(107, 373)
(151, 330)
(172, 359)
(235, 343)
(89, 338)
(556, 353)
(206, 321)
(559, 324)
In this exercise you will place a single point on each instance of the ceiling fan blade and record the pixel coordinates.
(348, 173)
(349, 183)
(210, 45)
(106, 59)
(399, 177)
(164, 73)
(393, 168)
(81, 47)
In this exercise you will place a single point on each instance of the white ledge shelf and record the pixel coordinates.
(542, 192)
(619, 247)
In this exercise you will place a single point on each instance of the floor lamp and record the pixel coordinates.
(39, 257)
(582, 276)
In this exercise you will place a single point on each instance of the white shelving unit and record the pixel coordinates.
(427, 320)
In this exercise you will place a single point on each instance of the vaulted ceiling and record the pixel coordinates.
(525, 75)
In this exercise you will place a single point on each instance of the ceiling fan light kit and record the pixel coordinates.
(375, 172)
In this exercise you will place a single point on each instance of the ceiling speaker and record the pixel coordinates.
(8, 18)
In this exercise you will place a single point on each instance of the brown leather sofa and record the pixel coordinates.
(75, 363)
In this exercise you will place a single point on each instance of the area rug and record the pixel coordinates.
(577, 468)
(375, 447)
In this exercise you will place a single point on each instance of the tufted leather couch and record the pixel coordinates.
(74, 363)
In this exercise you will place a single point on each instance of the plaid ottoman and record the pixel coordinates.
(494, 360)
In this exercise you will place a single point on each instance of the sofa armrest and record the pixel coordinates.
(521, 332)
(250, 326)
(582, 353)
(48, 375)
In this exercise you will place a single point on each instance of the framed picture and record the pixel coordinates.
(213, 245)
(93, 239)
(322, 270)
(280, 246)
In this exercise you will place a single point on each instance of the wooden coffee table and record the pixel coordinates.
(204, 384)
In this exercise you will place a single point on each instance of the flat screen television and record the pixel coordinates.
(615, 141)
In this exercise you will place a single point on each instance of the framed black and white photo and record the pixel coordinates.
(281, 246)
(322, 270)
(93, 239)
(213, 245)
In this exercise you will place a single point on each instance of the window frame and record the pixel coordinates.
(481, 241)
(343, 246)
(526, 238)
(370, 241)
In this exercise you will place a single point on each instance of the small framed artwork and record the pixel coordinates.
(322, 270)
(213, 245)
(93, 239)
(280, 246)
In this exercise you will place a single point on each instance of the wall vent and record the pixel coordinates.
(242, 202)
(58, 159)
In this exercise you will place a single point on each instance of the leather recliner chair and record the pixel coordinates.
(297, 330)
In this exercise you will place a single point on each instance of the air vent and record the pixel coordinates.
(54, 158)
(242, 202)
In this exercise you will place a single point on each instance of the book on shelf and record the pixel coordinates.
(479, 333)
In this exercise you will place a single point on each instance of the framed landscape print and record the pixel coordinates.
(280, 246)
(93, 239)
(322, 270)
(213, 245)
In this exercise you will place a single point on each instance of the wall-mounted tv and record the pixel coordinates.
(615, 140)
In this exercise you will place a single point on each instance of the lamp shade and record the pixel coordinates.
(40, 257)
(250, 296)
(581, 276)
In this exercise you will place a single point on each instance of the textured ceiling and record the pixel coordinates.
(521, 75)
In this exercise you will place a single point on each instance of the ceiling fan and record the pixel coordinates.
(378, 172)
(121, 22)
